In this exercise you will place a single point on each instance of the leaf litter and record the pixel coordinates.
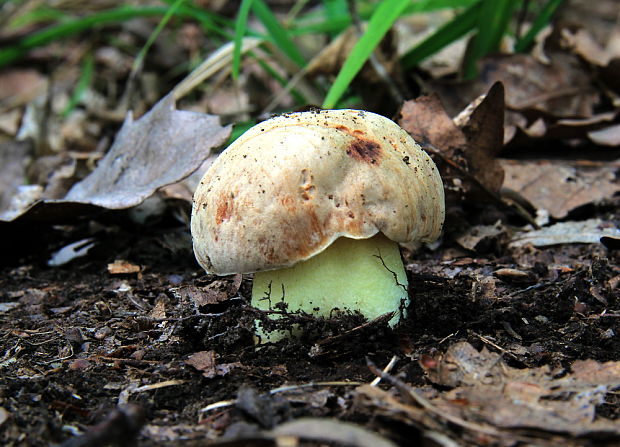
(513, 326)
(161, 148)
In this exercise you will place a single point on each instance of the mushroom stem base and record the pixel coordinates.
(363, 275)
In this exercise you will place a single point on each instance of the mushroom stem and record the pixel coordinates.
(363, 275)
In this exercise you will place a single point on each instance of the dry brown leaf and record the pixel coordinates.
(121, 267)
(560, 89)
(465, 155)
(560, 187)
(161, 148)
(20, 86)
(216, 292)
(484, 131)
(426, 120)
(205, 361)
(486, 389)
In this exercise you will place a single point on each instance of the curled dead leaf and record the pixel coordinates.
(465, 154)
(205, 361)
(162, 147)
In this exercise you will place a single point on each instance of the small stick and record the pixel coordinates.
(230, 403)
(386, 370)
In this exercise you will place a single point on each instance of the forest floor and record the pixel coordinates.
(112, 334)
(158, 337)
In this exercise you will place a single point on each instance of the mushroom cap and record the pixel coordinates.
(291, 185)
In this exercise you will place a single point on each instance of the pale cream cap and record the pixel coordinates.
(290, 186)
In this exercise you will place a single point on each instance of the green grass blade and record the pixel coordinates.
(211, 21)
(335, 25)
(73, 27)
(112, 16)
(38, 15)
(86, 77)
(277, 34)
(434, 5)
(299, 98)
(380, 22)
(335, 22)
(239, 129)
(241, 26)
(137, 64)
(491, 25)
(445, 35)
(335, 8)
(539, 23)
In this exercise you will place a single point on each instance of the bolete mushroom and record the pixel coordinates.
(315, 204)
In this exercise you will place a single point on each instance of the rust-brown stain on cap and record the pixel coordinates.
(224, 208)
(362, 148)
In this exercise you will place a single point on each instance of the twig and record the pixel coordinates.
(229, 403)
(156, 386)
(387, 369)
(495, 345)
(413, 398)
(447, 337)
(218, 60)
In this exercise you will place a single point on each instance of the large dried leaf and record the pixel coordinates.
(488, 390)
(426, 120)
(465, 148)
(161, 148)
(560, 187)
(560, 89)
(539, 96)
(14, 156)
(574, 232)
(485, 134)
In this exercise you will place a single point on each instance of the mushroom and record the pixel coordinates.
(315, 204)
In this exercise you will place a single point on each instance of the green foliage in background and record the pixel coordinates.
(486, 21)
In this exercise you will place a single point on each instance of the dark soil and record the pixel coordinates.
(78, 343)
